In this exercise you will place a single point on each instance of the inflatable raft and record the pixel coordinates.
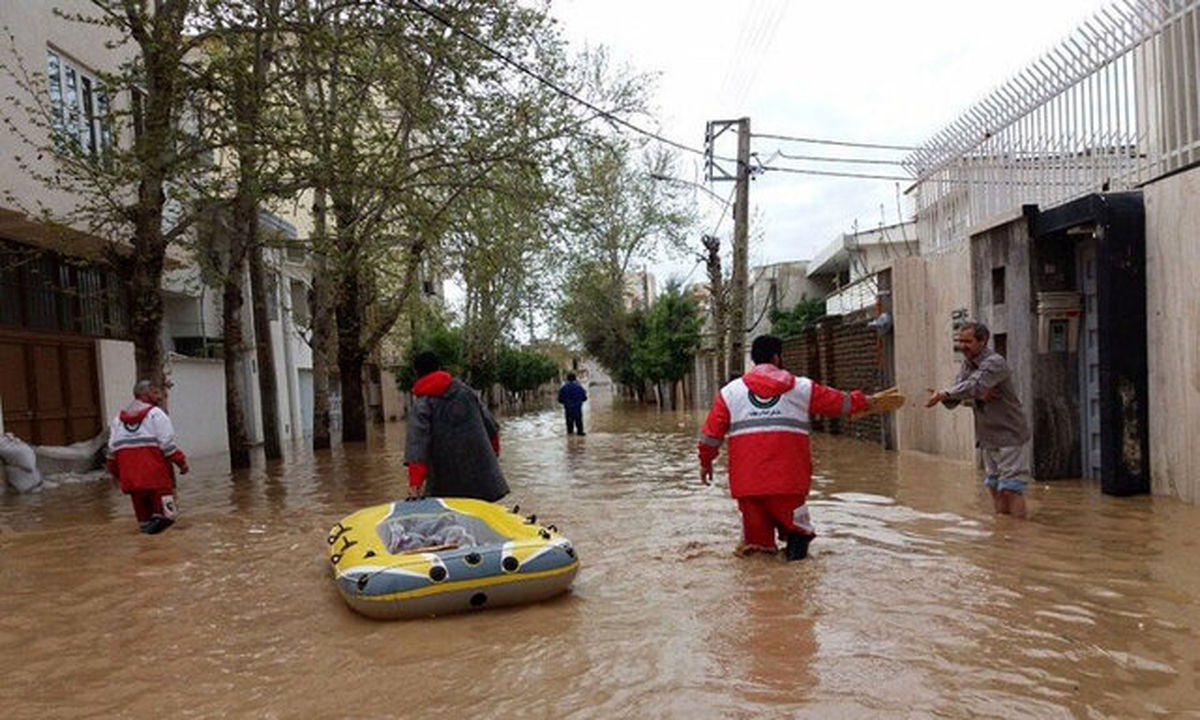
(432, 556)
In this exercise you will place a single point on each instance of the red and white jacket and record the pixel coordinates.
(141, 440)
(766, 415)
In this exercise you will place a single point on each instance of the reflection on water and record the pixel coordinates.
(915, 601)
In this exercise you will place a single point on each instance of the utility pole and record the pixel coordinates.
(741, 230)
(741, 233)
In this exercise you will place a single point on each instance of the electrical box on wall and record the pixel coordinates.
(957, 318)
(1058, 316)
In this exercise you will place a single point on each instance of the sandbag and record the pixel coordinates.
(20, 463)
(77, 458)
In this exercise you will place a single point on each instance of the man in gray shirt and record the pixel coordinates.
(1001, 430)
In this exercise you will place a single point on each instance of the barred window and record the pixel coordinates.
(42, 290)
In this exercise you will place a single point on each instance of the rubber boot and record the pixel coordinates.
(797, 546)
(156, 524)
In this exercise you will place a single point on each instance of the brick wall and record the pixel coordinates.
(840, 352)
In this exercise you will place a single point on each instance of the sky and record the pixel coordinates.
(870, 71)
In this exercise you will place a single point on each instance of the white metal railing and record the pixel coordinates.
(860, 294)
(1111, 108)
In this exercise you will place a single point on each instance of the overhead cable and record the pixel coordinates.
(822, 141)
(818, 158)
(828, 173)
(550, 83)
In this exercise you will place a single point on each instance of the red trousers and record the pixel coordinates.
(148, 503)
(764, 515)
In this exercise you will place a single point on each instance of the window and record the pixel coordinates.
(43, 290)
(272, 295)
(79, 109)
(1000, 343)
(998, 286)
(300, 303)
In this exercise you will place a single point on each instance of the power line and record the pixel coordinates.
(818, 158)
(724, 211)
(821, 141)
(760, 43)
(550, 83)
(646, 133)
(828, 173)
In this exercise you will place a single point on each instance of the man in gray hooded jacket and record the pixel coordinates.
(453, 442)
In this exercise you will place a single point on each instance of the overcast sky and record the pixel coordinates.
(876, 71)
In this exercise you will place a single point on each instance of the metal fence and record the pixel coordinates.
(1111, 108)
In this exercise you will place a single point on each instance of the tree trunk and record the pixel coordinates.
(716, 292)
(354, 408)
(264, 348)
(231, 327)
(248, 111)
(322, 331)
(351, 357)
(145, 297)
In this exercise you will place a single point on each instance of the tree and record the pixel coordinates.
(439, 338)
(522, 370)
(667, 351)
(797, 321)
(407, 114)
(239, 74)
(619, 215)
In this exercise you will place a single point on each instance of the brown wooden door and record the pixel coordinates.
(49, 387)
(14, 389)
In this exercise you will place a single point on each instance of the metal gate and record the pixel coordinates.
(1089, 362)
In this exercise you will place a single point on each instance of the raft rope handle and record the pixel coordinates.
(341, 530)
(531, 519)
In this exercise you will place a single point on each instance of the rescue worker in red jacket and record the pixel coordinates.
(141, 452)
(766, 415)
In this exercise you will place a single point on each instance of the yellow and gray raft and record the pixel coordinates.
(418, 558)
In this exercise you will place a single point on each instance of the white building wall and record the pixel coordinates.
(199, 420)
(35, 28)
(117, 371)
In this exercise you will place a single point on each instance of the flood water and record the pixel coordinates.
(915, 601)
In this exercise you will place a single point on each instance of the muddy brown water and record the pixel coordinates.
(915, 602)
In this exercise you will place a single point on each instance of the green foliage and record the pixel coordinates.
(619, 216)
(666, 349)
(517, 369)
(521, 370)
(593, 310)
(444, 341)
(794, 322)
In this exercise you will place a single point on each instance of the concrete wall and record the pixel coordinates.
(925, 293)
(1173, 326)
(117, 371)
(197, 405)
(1007, 246)
(393, 400)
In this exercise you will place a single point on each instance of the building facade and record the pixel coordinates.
(66, 356)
